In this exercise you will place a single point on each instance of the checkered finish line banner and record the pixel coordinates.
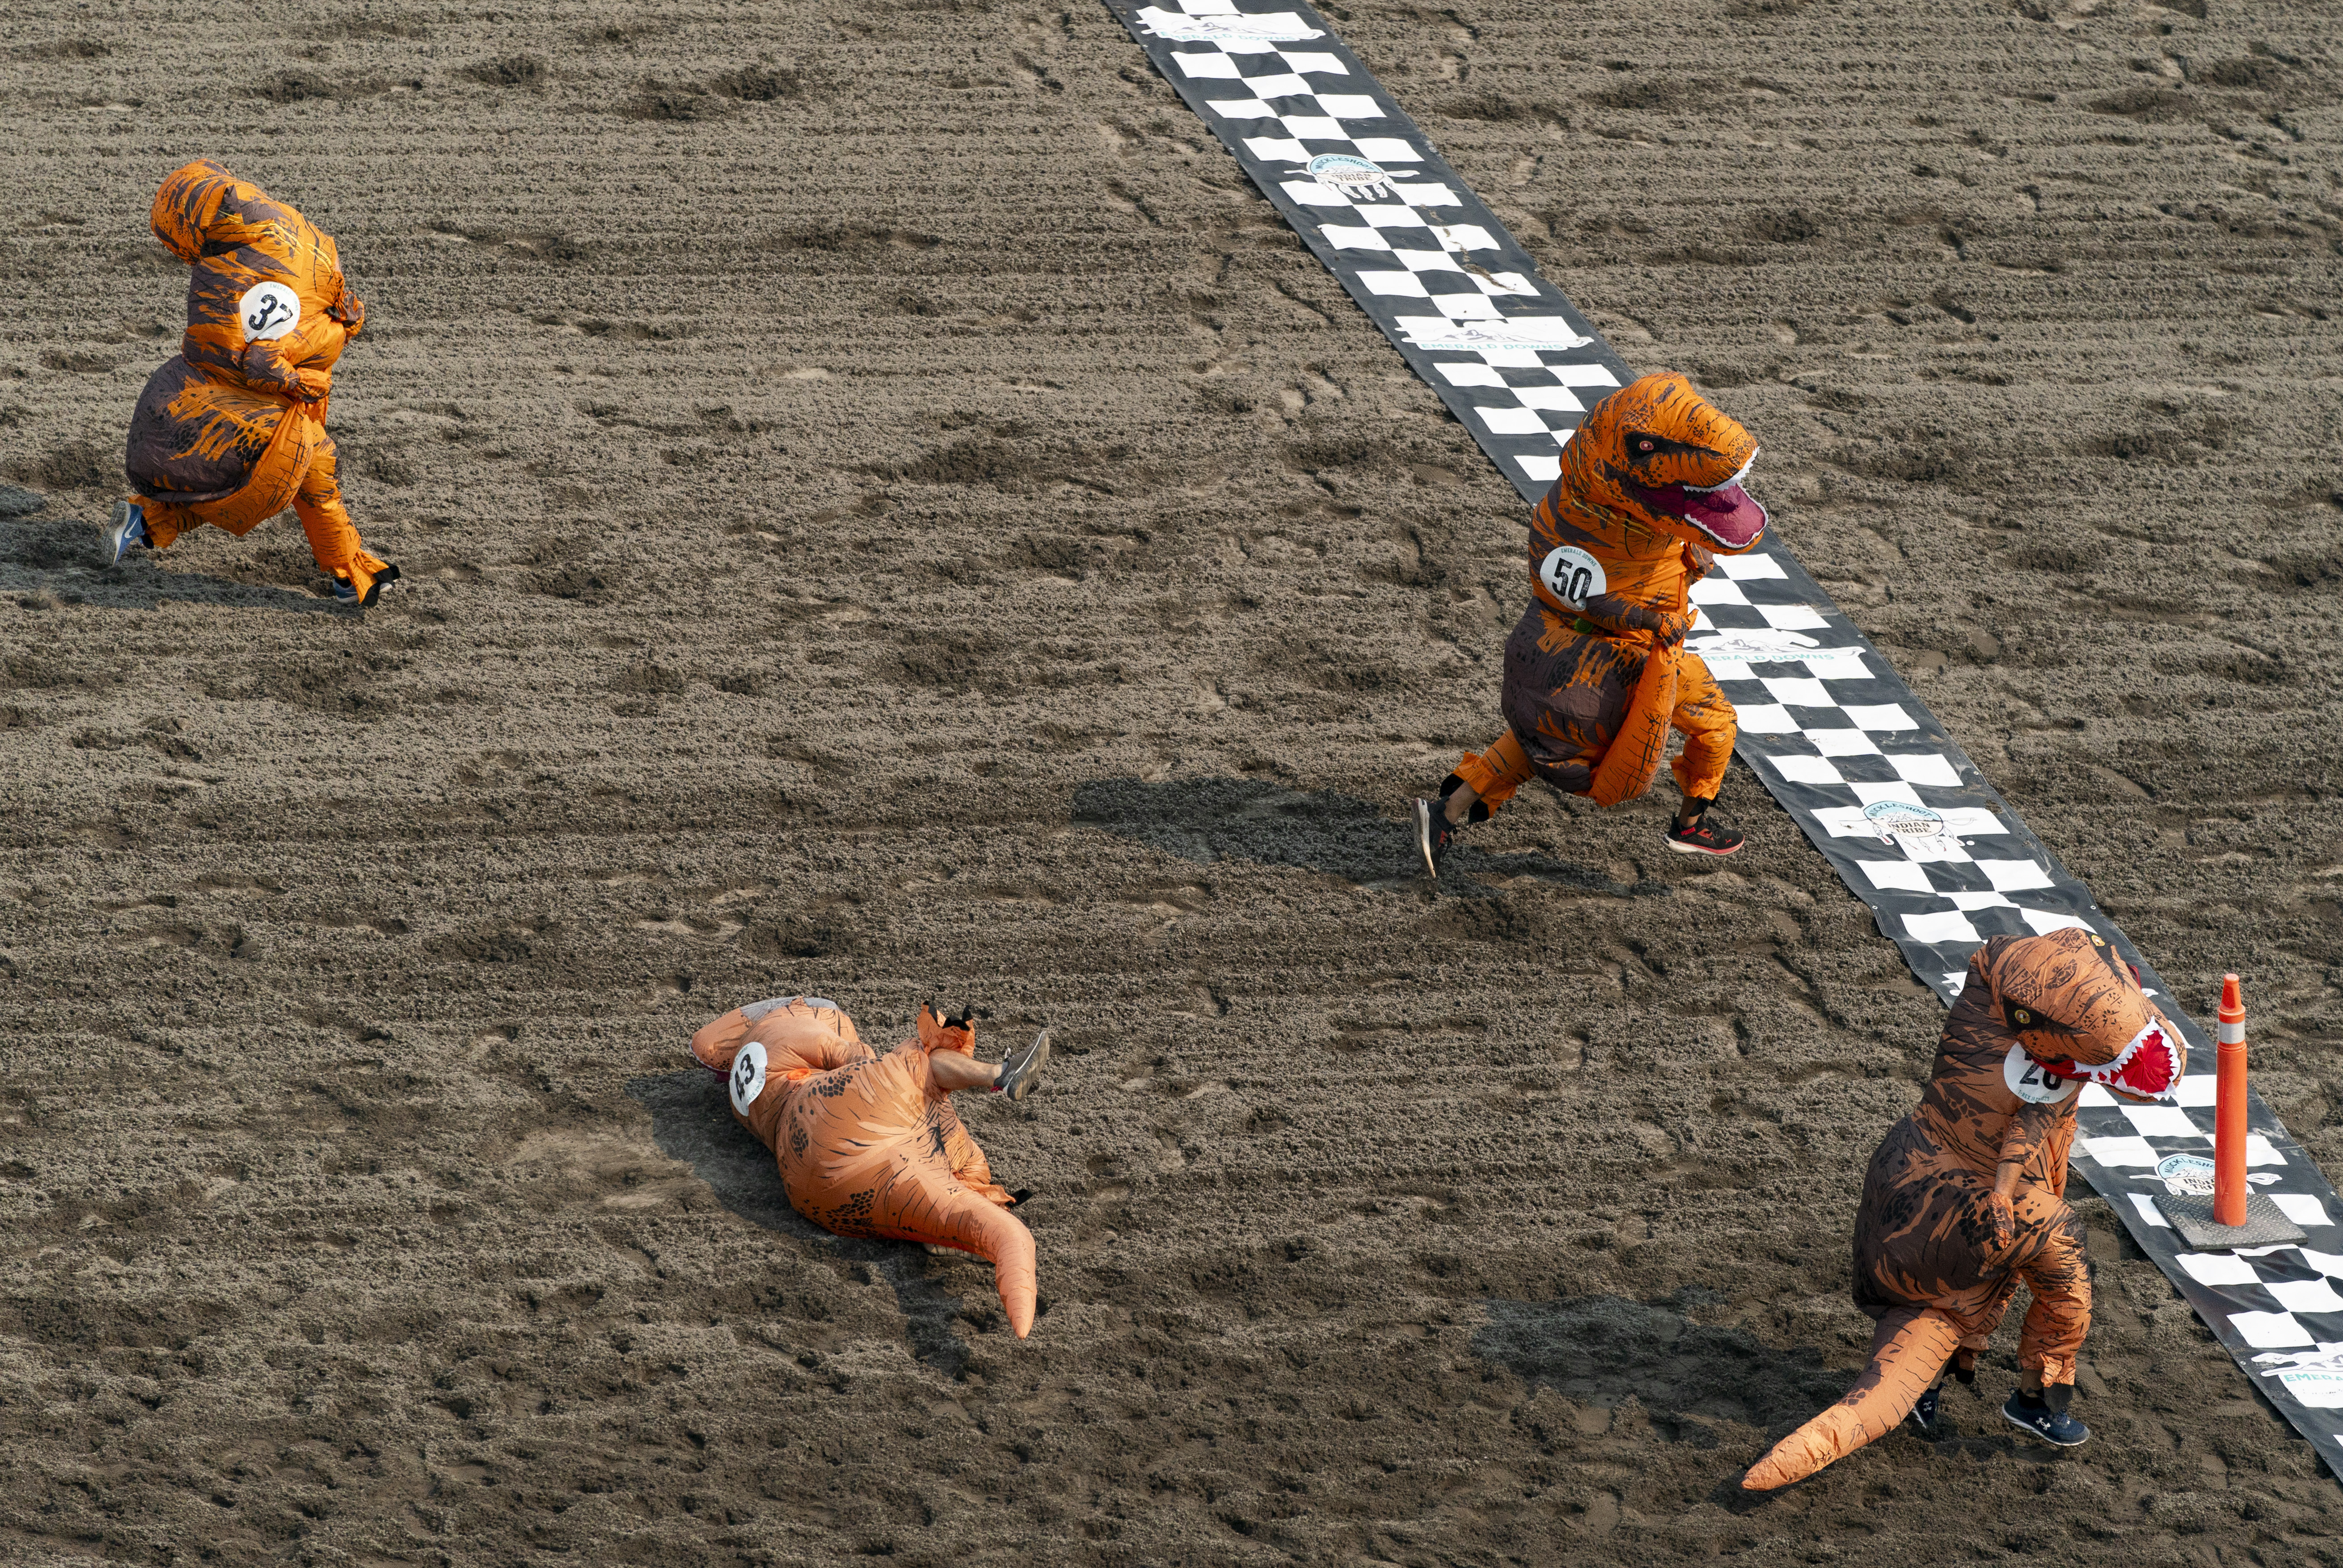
(1833, 733)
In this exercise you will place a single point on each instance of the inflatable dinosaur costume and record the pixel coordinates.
(1963, 1199)
(869, 1145)
(232, 429)
(1596, 673)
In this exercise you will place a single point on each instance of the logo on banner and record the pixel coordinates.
(2314, 1378)
(1572, 576)
(1273, 27)
(2185, 1175)
(1895, 821)
(1754, 647)
(1350, 174)
(1506, 332)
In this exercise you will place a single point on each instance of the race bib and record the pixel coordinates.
(2033, 1083)
(748, 1077)
(1573, 577)
(268, 310)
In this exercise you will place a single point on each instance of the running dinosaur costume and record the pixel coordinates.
(869, 1145)
(231, 430)
(1963, 1199)
(1595, 672)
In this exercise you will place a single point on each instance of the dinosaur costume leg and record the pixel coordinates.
(1495, 774)
(2058, 1275)
(1641, 738)
(1704, 716)
(333, 537)
(1907, 1350)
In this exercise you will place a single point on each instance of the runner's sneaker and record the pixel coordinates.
(1929, 1417)
(1021, 1073)
(126, 527)
(1706, 836)
(346, 591)
(1435, 835)
(2050, 1425)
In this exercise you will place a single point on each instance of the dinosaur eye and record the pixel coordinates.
(2022, 1016)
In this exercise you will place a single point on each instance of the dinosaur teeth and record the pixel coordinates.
(1739, 474)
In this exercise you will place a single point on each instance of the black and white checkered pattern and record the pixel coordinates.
(1879, 785)
(2278, 1309)
(1857, 758)
(1357, 179)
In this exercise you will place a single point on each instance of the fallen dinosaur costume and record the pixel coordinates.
(869, 1145)
(1597, 672)
(1963, 1199)
(232, 429)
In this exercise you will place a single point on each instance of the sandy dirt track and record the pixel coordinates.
(888, 512)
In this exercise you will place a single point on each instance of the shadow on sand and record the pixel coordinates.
(65, 560)
(692, 1121)
(1209, 819)
(1598, 1349)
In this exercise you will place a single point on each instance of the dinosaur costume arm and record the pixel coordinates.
(1625, 618)
(2027, 1140)
(265, 367)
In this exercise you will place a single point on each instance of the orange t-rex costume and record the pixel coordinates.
(1963, 1199)
(231, 430)
(869, 1145)
(1595, 672)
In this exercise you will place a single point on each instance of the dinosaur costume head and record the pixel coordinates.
(1656, 452)
(2077, 1009)
(189, 202)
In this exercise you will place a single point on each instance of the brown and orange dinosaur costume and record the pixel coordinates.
(231, 430)
(1595, 672)
(869, 1145)
(1963, 1199)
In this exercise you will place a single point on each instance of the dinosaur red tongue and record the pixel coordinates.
(1731, 516)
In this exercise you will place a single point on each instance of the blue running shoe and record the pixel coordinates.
(126, 527)
(2050, 1425)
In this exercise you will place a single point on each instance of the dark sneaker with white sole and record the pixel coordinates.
(1928, 1415)
(1708, 835)
(1435, 835)
(348, 591)
(1020, 1071)
(2050, 1425)
(126, 528)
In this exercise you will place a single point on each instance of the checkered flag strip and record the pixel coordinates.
(1832, 731)
(1439, 273)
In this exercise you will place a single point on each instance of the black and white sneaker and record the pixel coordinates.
(1706, 835)
(2050, 1425)
(1435, 835)
(1928, 1415)
(1020, 1071)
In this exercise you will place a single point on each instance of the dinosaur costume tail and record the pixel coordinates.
(1628, 768)
(1912, 1344)
(996, 1233)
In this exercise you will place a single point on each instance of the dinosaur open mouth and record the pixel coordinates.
(1725, 513)
(2147, 1069)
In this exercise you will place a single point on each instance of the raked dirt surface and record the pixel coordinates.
(888, 512)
